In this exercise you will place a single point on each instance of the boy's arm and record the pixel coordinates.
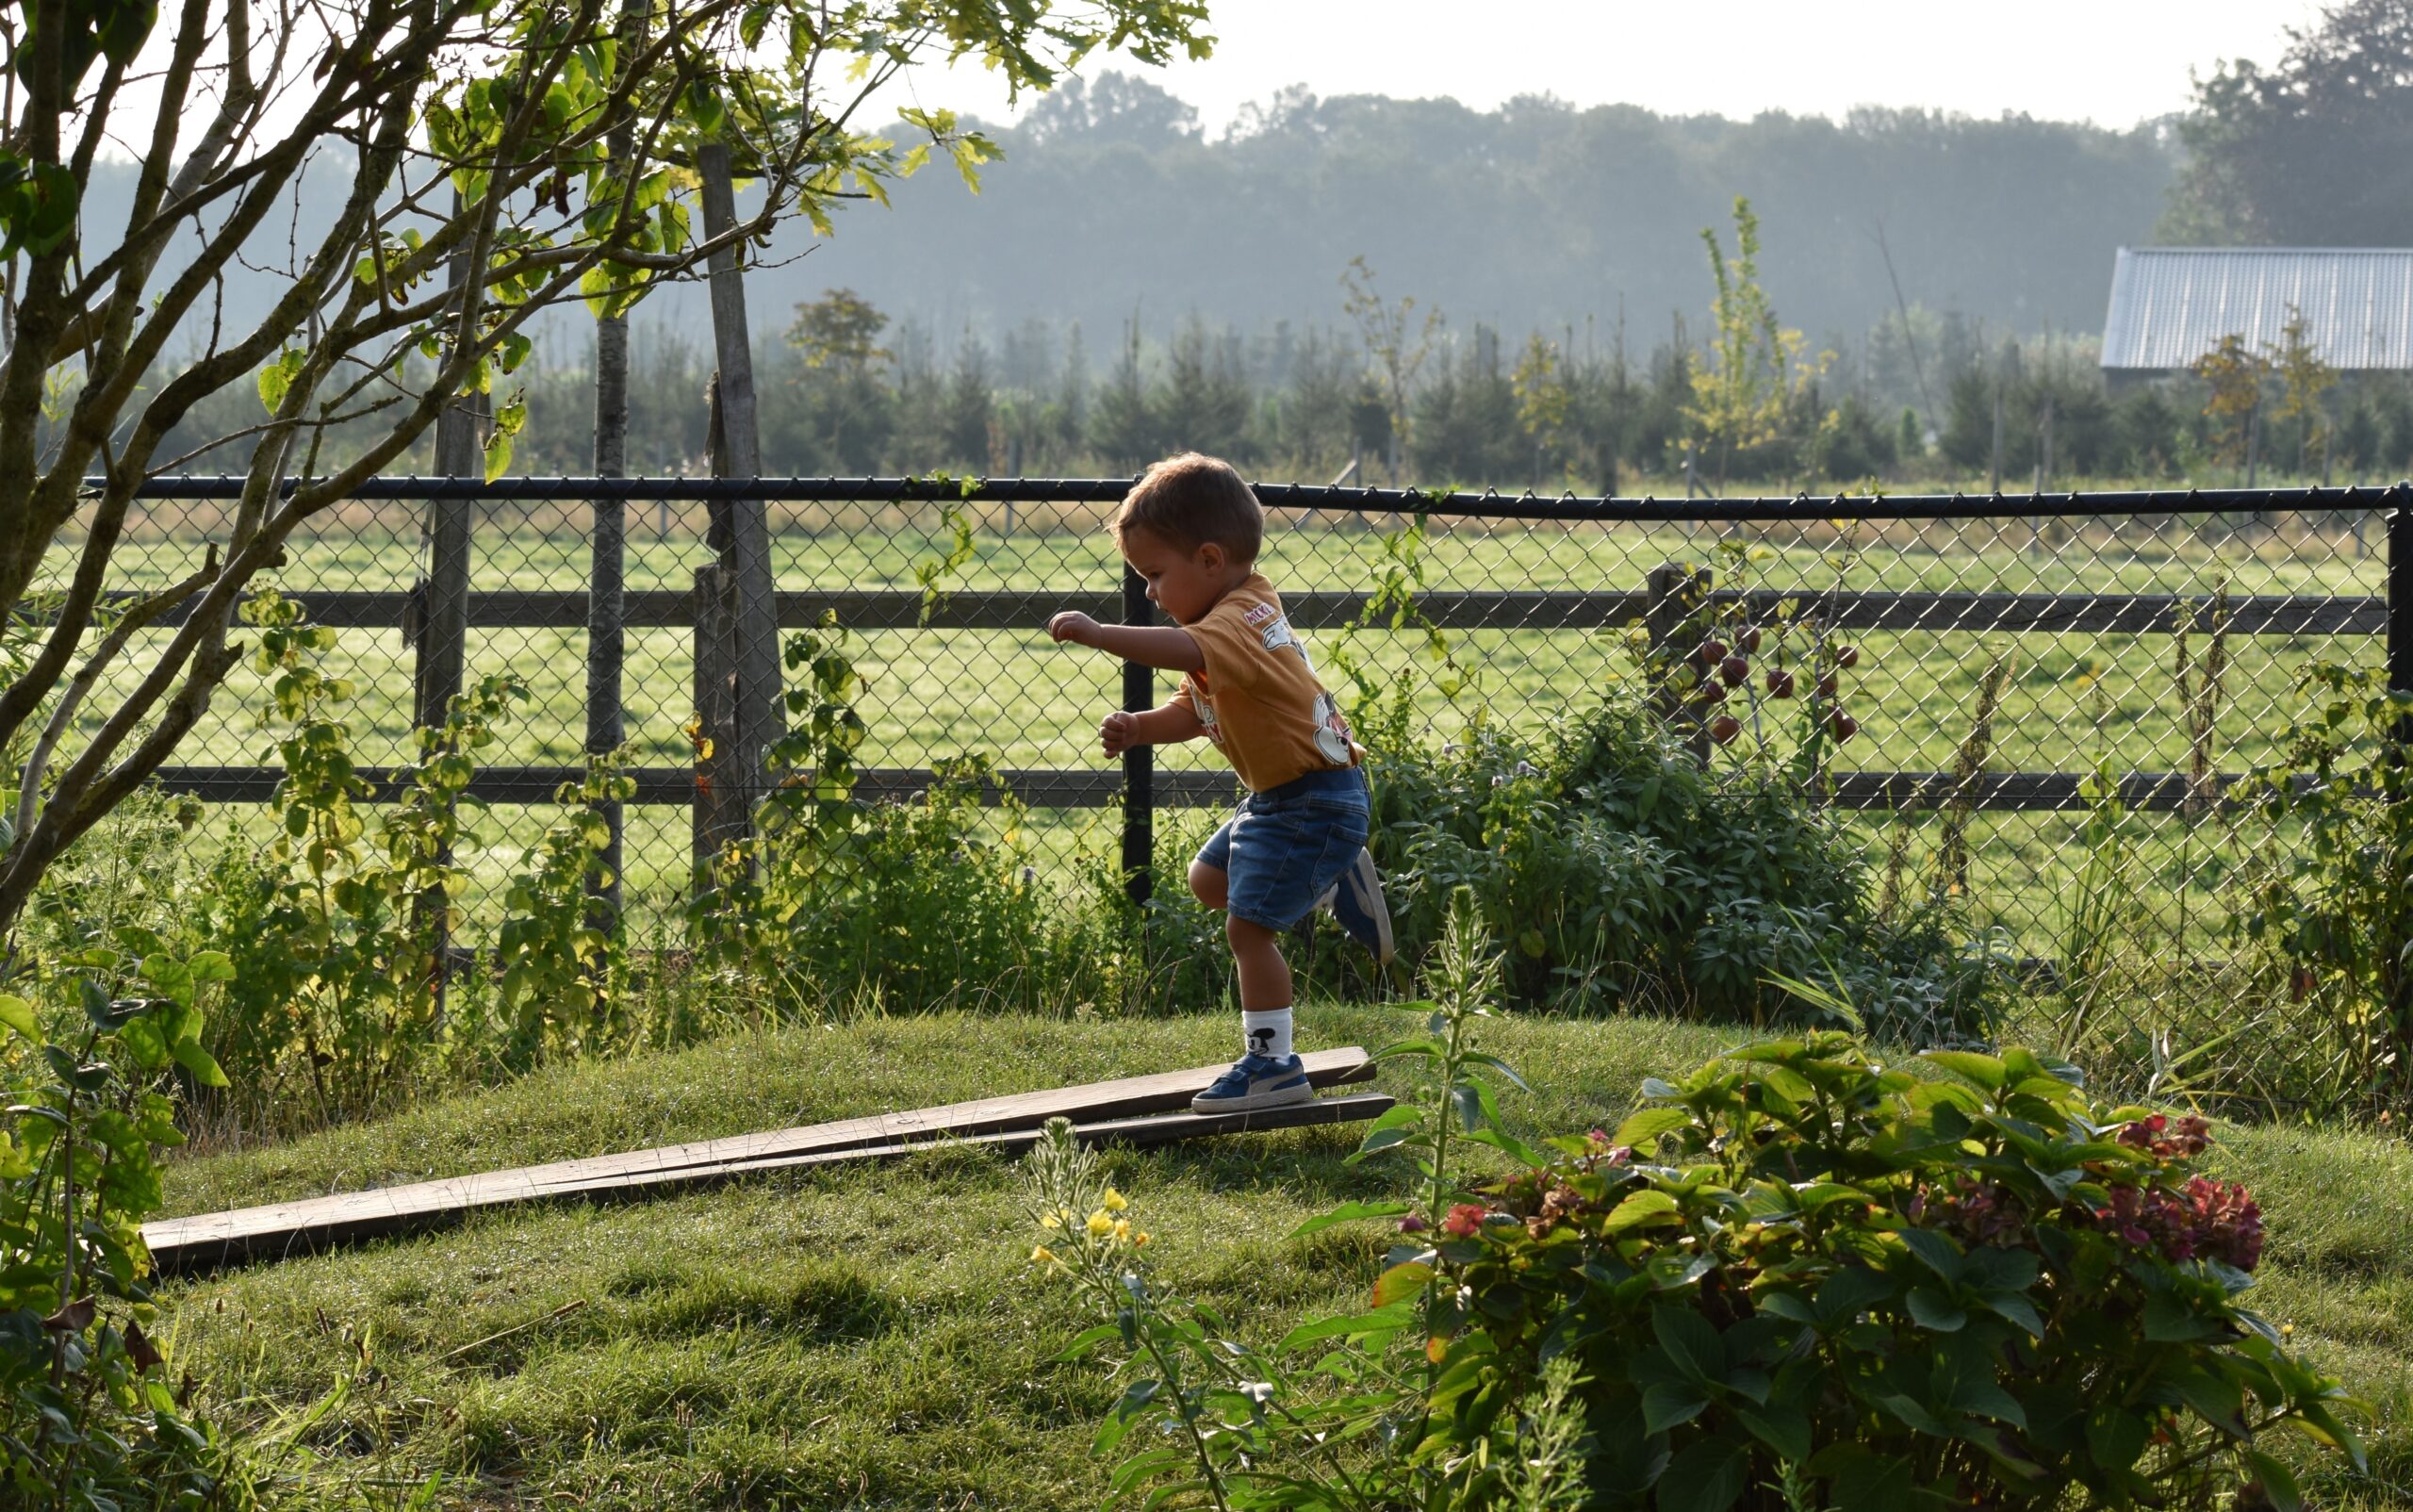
(1171, 725)
(1168, 647)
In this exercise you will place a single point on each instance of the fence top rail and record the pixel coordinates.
(1487, 504)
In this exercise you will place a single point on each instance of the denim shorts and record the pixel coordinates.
(1282, 847)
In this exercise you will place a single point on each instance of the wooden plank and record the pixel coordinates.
(1016, 609)
(198, 1248)
(275, 1228)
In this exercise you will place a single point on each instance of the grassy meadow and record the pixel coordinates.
(871, 1336)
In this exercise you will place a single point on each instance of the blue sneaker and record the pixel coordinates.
(1356, 904)
(1257, 1082)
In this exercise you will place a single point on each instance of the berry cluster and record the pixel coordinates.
(1729, 666)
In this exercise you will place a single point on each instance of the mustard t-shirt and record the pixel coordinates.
(1258, 695)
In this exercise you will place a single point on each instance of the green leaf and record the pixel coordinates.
(1386, 1320)
(1639, 1207)
(1691, 1340)
(1510, 1145)
(1936, 1250)
(2170, 1319)
(1985, 1070)
(1350, 1212)
(211, 967)
(1706, 1477)
(1936, 1312)
(1667, 1403)
(18, 1015)
(1642, 1130)
(1781, 1427)
(189, 1055)
(2279, 1482)
(1401, 1281)
(1086, 1340)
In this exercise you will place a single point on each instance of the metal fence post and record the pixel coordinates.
(2400, 603)
(1138, 763)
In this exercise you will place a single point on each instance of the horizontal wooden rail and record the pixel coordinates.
(1028, 609)
(1054, 788)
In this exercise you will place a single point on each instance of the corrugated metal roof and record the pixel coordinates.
(2172, 304)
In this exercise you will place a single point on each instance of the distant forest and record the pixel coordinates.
(1123, 286)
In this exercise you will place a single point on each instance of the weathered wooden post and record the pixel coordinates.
(1670, 623)
(720, 811)
(744, 539)
(607, 572)
(440, 625)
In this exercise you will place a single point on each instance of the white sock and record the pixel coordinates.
(1267, 1033)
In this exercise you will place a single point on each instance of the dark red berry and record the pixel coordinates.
(1848, 656)
(1780, 684)
(1826, 685)
(1713, 652)
(1845, 726)
(1734, 670)
(1749, 639)
(1724, 729)
(1712, 691)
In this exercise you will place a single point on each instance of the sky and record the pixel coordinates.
(2115, 62)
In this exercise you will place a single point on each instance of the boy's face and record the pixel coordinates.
(1185, 584)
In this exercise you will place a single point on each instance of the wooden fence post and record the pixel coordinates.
(745, 543)
(1139, 762)
(721, 809)
(1676, 595)
(442, 623)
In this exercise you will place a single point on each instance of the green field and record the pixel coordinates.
(873, 1336)
(2072, 700)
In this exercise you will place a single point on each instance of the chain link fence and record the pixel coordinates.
(2008, 650)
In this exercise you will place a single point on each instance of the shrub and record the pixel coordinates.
(88, 1416)
(2323, 908)
(1619, 871)
(914, 905)
(1801, 1268)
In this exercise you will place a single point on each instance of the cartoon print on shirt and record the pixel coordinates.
(1332, 731)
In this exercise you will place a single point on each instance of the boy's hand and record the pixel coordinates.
(1074, 626)
(1119, 732)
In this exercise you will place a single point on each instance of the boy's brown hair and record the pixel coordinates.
(1190, 500)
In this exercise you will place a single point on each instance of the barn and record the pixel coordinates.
(2172, 304)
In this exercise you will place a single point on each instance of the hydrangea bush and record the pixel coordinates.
(1802, 1268)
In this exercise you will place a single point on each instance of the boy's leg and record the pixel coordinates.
(1268, 1073)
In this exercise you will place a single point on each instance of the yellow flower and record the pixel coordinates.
(1121, 1230)
(1101, 1224)
(1115, 1202)
(1052, 1222)
(1139, 1239)
(1041, 1255)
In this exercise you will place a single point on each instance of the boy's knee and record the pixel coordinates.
(1210, 885)
(1244, 933)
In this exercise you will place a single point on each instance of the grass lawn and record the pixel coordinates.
(872, 1338)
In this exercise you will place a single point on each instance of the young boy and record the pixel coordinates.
(1191, 529)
